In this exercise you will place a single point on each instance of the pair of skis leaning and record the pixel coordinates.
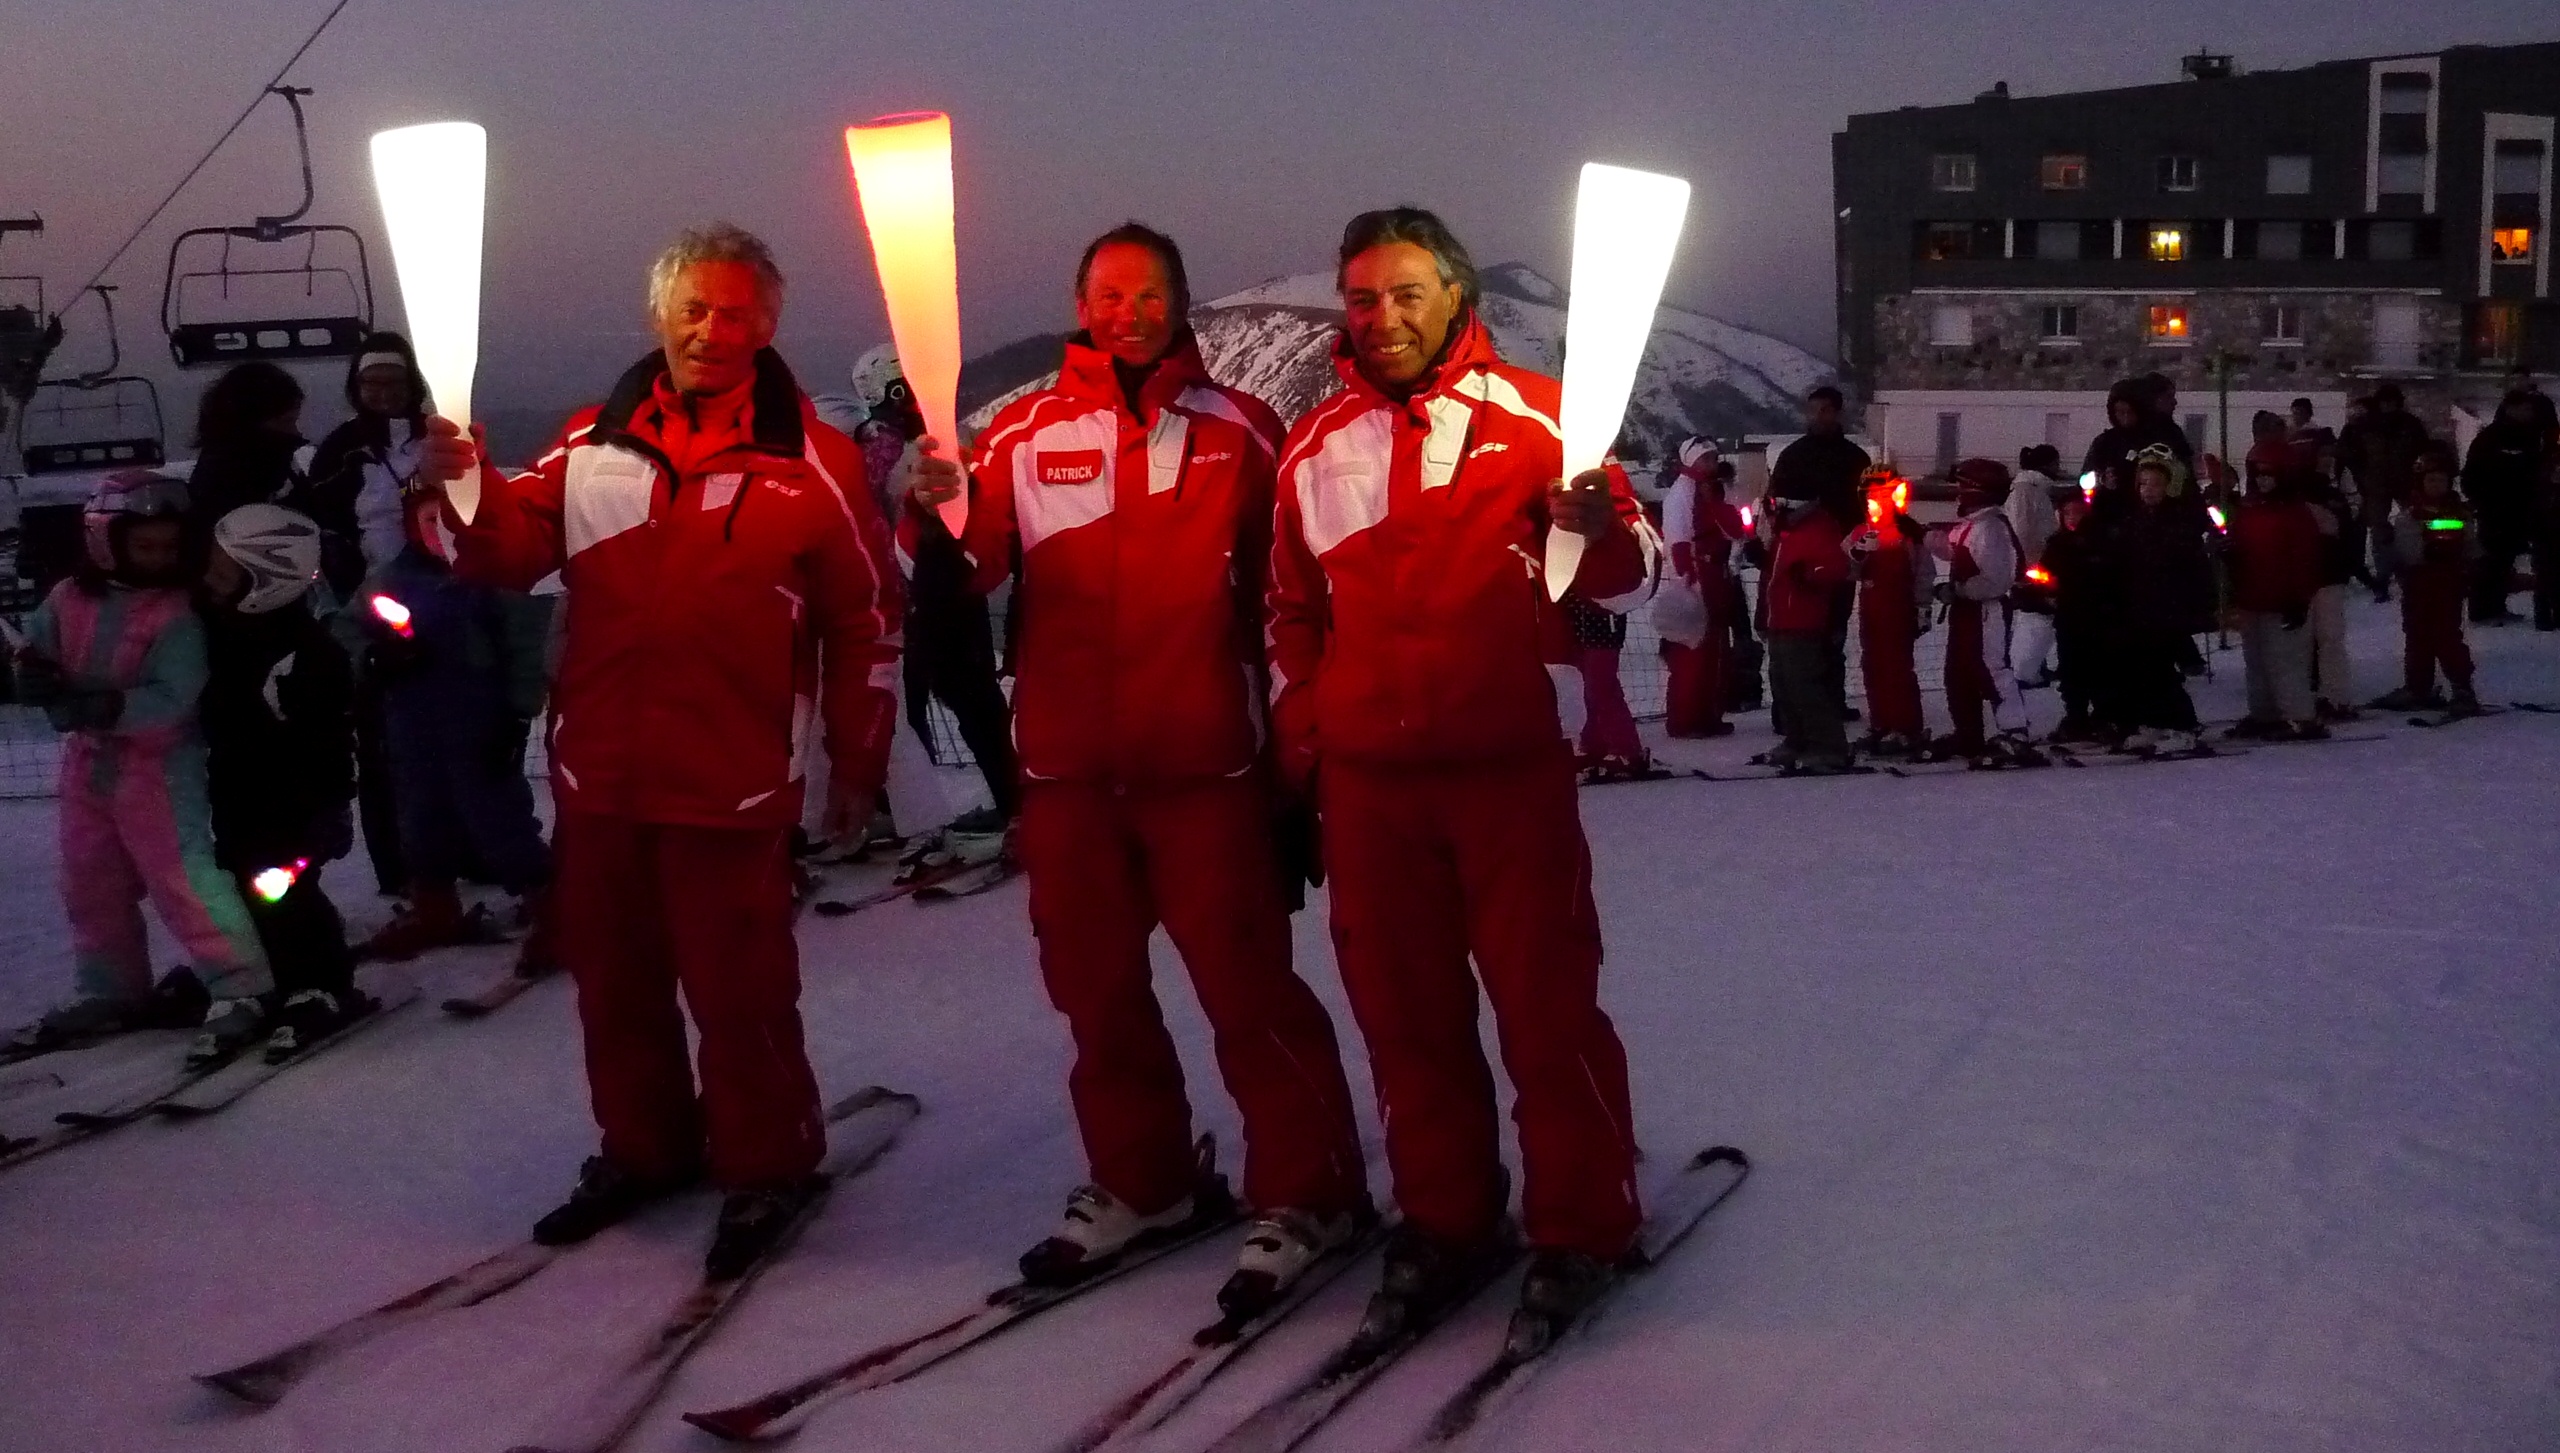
(1287, 1420)
(864, 1127)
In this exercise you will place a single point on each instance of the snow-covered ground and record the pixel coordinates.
(2197, 1107)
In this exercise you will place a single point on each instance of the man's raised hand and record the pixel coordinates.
(445, 454)
(935, 481)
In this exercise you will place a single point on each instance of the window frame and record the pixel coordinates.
(2063, 171)
(1941, 312)
(1944, 165)
(2272, 321)
(2180, 335)
(2309, 173)
(2171, 163)
(2167, 242)
(2048, 315)
(2500, 240)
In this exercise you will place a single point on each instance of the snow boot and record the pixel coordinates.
(752, 1221)
(1887, 744)
(2466, 702)
(178, 1001)
(1426, 1275)
(1278, 1249)
(605, 1195)
(431, 919)
(77, 1022)
(2180, 744)
(2330, 711)
(314, 1015)
(1560, 1286)
(230, 1026)
(1099, 1229)
(2251, 729)
(2404, 699)
(539, 957)
(2008, 750)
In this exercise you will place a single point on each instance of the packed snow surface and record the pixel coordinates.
(2179, 1107)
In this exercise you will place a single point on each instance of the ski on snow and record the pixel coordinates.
(785, 1410)
(615, 1405)
(247, 1072)
(264, 1381)
(976, 879)
(1299, 1411)
(1703, 1184)
(1148, 1405)
(890, 893)
(491, 997)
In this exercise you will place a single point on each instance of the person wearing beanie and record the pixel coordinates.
(2157, 570)
(1691, 611)
(2499, 477)
(2436, 545)
(2274, 552)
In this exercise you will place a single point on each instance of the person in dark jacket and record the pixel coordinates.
(1824, 466)
(280, 762)
(248, 429)
(2082, 616)
(2546, 539)
(2135, 422)
(459, 668)
(358, 477)
(2500, 477)
(2437, 547)
(2157, 572)
(2380, 448)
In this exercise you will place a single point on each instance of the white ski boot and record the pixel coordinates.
(1098, 1230)
(1278, 1249)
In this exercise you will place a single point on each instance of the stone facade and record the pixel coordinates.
(2336, 351)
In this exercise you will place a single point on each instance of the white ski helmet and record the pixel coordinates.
(873, 374)
(127, 495)
(278, 547)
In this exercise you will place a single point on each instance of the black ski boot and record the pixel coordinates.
(1560, 1286)
(1425, 1276)
(178, 1001)
(606, 1195)
(752, 1221)
(313, 1015)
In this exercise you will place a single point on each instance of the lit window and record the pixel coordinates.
(1952, 172)
(2065, 172)
(2288, 176)
(2177, 174)
(2281, 323)
(2060, 323)
(2168, 323)
(2497, 332)
(2168, 244)
(1951, 326)
(1945, 241)
(2511, 244)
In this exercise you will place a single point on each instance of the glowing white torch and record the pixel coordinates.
(434, 182)
(902, 178)
(1625, 225)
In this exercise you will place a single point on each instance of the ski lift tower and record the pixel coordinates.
(278, 288)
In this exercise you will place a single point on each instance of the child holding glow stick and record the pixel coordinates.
(2435, 545)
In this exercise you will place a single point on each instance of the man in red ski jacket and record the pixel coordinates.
(1137, 492)
(717, 540)
(1419, 677)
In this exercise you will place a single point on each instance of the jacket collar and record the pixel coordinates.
(1468, 350)
(772, 405)
(1085, 374)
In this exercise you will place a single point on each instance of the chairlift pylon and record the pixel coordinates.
(101, 419)
(208, 324)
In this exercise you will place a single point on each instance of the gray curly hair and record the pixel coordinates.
(718, 242)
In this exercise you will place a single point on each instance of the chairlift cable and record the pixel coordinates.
(236, 123)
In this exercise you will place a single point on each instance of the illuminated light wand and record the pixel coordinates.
(1625, 225)
(434, 185)
(902, 181)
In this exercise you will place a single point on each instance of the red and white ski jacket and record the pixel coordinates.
(1143, 537)
(1982, 556)
(1409, 617)
(713, 550)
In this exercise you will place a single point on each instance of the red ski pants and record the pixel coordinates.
(1886, 630)
(2431, 604)
(648, 911)
(1979, 674)
(1693, 698)
(1429, 865)
(1107, 866)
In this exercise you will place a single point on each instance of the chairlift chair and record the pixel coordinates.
(27, 332)
(96, 420)
(208, 325)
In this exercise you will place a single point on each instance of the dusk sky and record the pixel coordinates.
(1250, 131)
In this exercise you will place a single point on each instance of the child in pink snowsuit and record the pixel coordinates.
(121, 657)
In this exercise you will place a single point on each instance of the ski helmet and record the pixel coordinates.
(874, 374)
(280, 550)
(121, 500)
(1983, 481)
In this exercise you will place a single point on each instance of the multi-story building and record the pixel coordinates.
(2257, 238)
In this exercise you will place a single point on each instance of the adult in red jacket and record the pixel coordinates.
(1419, 665)
(1137, 493)
(717, 540)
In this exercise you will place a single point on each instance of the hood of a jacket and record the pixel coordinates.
(1086, 373)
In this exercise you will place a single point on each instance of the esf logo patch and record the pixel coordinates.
(1070, 466)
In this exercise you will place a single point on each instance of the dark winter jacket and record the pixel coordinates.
(2436, 540)
(1825, 467)
(340, 471)
(2382, 451)
(256, 469)
(2158, 577)
(2074, 560)
(472, 662)
(2499, 476)
(2341, 541)
(278, 722)
(2112, 453)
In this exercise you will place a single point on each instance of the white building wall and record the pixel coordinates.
(1996, 424)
